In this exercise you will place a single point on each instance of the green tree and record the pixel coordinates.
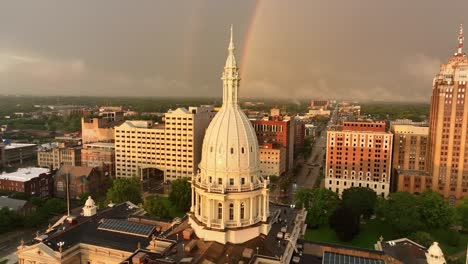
(462, 213)
(123, 190)
(435, 211)
(181, 194)
(54, 205)
(423, 238)
(320, 204)
(345, 223)
(155, 207)
(401, 212)
(361, 200)
(9, 220)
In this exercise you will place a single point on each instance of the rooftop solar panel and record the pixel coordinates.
(335, 258)
(124, 226)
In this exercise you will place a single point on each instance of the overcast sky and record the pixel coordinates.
(353, 49)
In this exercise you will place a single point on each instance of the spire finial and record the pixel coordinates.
(231, 42)
(460, 40)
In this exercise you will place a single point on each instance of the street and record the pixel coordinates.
(310, 170)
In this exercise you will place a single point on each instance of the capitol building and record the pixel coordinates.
(230, 200)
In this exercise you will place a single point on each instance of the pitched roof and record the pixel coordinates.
(13, 204)
(75, 171)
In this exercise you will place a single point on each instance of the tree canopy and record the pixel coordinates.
(123, 190)
(400, 210)
(462, 213)
(181, 194)
(155, 207)
(361, 200)
(345, 223)
(320, 204)
(435, 210)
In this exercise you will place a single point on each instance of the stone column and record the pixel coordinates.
(192, 208)
(251, 209)
(210, 207)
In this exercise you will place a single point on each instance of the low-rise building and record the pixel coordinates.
(99, 154)
(2, 154)
(18, 153)
(98, 130)
(80, 180)
(21, 207)
(272, 160)
(57, 156)
(31, 181)
(318, 112)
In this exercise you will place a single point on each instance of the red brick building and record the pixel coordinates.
(359, 154)
(31, 181)
(80, 180)
(276, 130)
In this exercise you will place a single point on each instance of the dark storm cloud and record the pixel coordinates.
(359, 49)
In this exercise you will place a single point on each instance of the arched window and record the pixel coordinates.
(242, 211)
(220, 211)
(231, 212)
(242, 150)
(232, 150)
(211, 149)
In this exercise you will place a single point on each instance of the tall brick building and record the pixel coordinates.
(448, 150)
(359, 154)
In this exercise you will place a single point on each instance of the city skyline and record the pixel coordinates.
(312, 48)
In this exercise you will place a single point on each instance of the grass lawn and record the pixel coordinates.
(373, 229)
(444, 242)
(173, 211)
(367, 237)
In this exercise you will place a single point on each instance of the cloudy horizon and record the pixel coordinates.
(356, 50)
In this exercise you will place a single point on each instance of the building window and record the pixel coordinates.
(242, 181)
(220, 211)
(231, 181)
(231, 212)
(220, 181)
(232, 150)
(242, 210)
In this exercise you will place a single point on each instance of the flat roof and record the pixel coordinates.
(18, 145)
(100, 145)
(24, 174)
(410, 129)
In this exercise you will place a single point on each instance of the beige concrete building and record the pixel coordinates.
(58, 156)
(448, 127)
(272, 160)
(359, 154)
(174, 148)
(410, 147)
(97, 130)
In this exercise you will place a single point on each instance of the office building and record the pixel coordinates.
(359, 154)
(57, 156)
(174, 148)
(18, 153)
(99, 154)
(448, 149)
(272, 160)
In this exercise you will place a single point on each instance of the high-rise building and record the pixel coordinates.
(410, 147)
(143, 149)
(359, 154)
(448, 150)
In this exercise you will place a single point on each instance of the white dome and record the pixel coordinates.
(230, 145)
(89, 202)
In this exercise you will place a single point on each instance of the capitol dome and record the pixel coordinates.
(89, 202)
(230, 200)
